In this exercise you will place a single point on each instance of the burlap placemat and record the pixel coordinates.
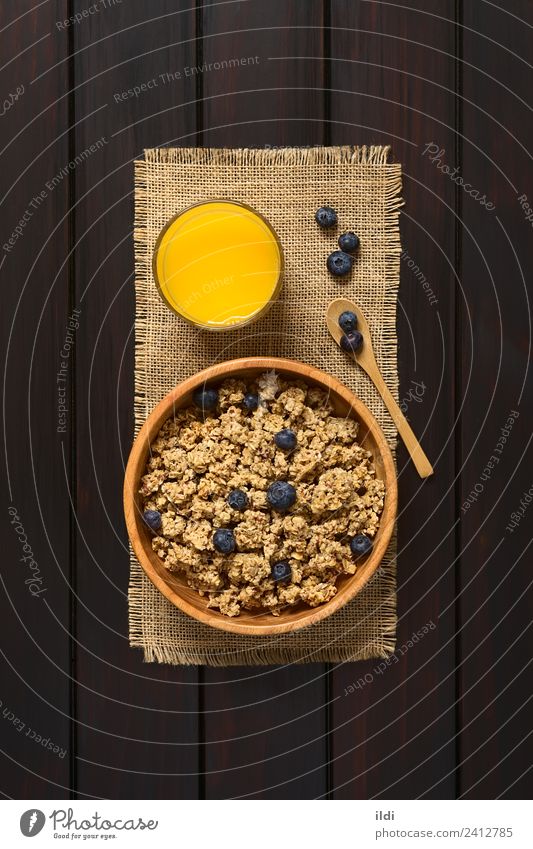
(287, 186)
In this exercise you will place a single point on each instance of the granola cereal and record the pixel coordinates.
(198, 458)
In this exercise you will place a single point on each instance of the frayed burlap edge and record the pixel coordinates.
(264, 655)
(345, 155)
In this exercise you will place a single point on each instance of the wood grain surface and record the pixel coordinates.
(37, 691)
(448, 86)
(394, 80)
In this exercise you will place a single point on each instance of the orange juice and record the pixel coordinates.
(218, 264)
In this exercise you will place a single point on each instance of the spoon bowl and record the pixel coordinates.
(365, 358)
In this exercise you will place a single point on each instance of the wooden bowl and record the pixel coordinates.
(172, 585)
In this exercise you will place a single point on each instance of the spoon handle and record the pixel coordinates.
(422, 464)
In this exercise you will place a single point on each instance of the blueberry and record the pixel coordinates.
(205, 398)
(251, 401)
(237, 499)
(286, 439)
(349, 242)
(281, 571)
(281, 496)
(224, 541)
(326, 217)
(351, 342)
(360, 545)
(339, 263)
(348, 321)
(152, 518)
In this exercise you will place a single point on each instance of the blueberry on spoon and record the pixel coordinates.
(348, 321)
(351, 342)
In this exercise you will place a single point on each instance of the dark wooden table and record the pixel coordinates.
(447, 85)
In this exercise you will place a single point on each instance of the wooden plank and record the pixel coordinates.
(35, 663)
(392, 80)
(138, 731)
(262, 102)
(494, 747)
(265, 728)
(265, 732)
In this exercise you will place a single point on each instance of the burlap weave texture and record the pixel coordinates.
(286, 186)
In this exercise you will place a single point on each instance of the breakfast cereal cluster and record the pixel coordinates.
(260, 495)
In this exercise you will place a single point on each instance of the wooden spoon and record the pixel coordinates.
(366, 359)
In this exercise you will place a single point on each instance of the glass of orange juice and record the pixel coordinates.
(218, 264)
